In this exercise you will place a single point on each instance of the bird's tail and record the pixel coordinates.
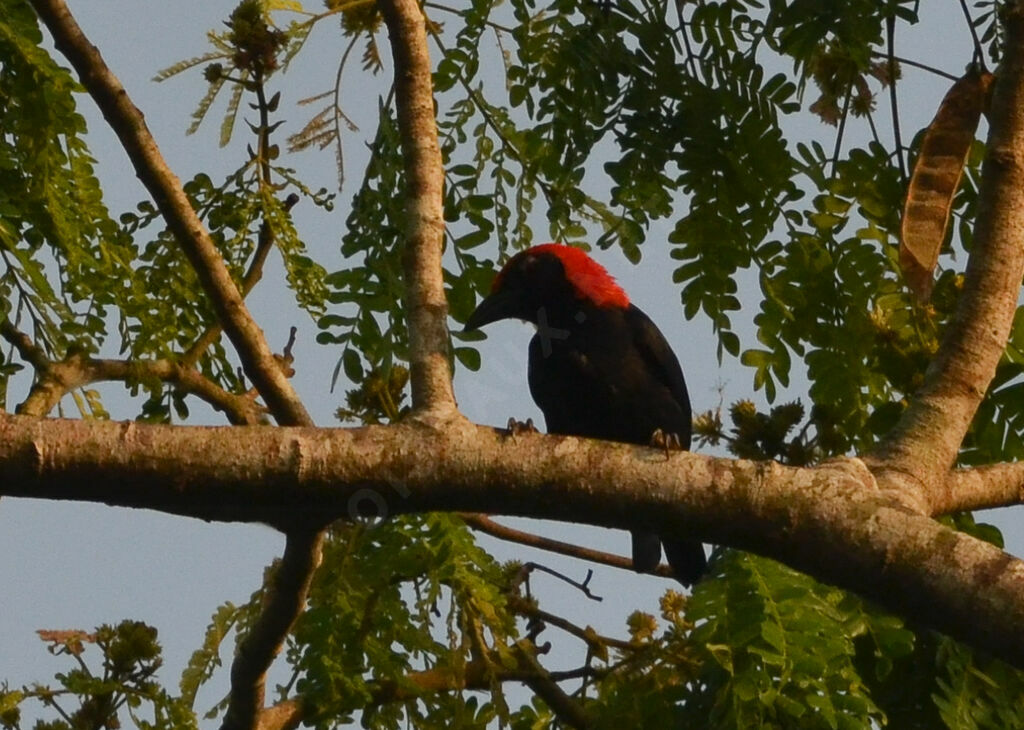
(646, 551)
(686, 558)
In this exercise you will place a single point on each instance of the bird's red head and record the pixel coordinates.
(589, 279)
(551, 275)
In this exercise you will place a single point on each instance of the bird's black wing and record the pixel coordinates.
(663, 364)
(686, 557)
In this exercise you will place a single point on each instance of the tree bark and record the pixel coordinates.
(832, 521)
(426, 307)
(924, 445)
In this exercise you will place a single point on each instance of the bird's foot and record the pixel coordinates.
(666, 440)
(515, 427)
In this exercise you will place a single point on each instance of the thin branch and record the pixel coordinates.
(890, 47)
(562, 705)
(264, 244)
(425, 304)
(54, 379)
(917, 64)
(461, 13)
(78, 372)
(30, 352)
(528, 610)
(979, 52)
(842, 129)
(477, 674)
(485, 524)
(582, 586)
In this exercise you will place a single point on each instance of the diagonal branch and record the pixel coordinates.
(544, 686)
(302, 550)
(128, 124)
(30, 352)
(485, 524)
(425, 305)
(924, 445)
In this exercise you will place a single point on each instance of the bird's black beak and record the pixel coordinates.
(501, 304)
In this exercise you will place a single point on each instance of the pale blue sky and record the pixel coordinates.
(69, 565)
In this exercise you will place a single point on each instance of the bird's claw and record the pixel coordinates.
(666, 440)
(515, 427)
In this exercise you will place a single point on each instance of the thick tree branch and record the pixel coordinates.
(923, 447)
(830, 521)
(426, 307)
(128, 124)
(983, 487)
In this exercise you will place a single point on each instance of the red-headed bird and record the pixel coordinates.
(598, 367)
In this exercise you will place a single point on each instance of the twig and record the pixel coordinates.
(528, 610)
(565, 707)
(979, 53)
(252, 277)
(583, 586)
(890, 47)
(483, 523)
(917, 64)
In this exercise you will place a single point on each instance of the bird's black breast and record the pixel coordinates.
(608, 373)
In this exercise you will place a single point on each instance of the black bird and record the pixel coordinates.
(598, 367)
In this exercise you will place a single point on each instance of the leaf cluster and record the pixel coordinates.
(98, 692)
(59, 247)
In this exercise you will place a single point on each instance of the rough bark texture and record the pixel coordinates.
(984, 487)
(831, 521)
(924, 445)
(426, 307)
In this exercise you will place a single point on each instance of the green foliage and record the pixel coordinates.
(408, 594)
(602, 120)
(99, 692)
(780, 650)
(51, 205)
(367, 320)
